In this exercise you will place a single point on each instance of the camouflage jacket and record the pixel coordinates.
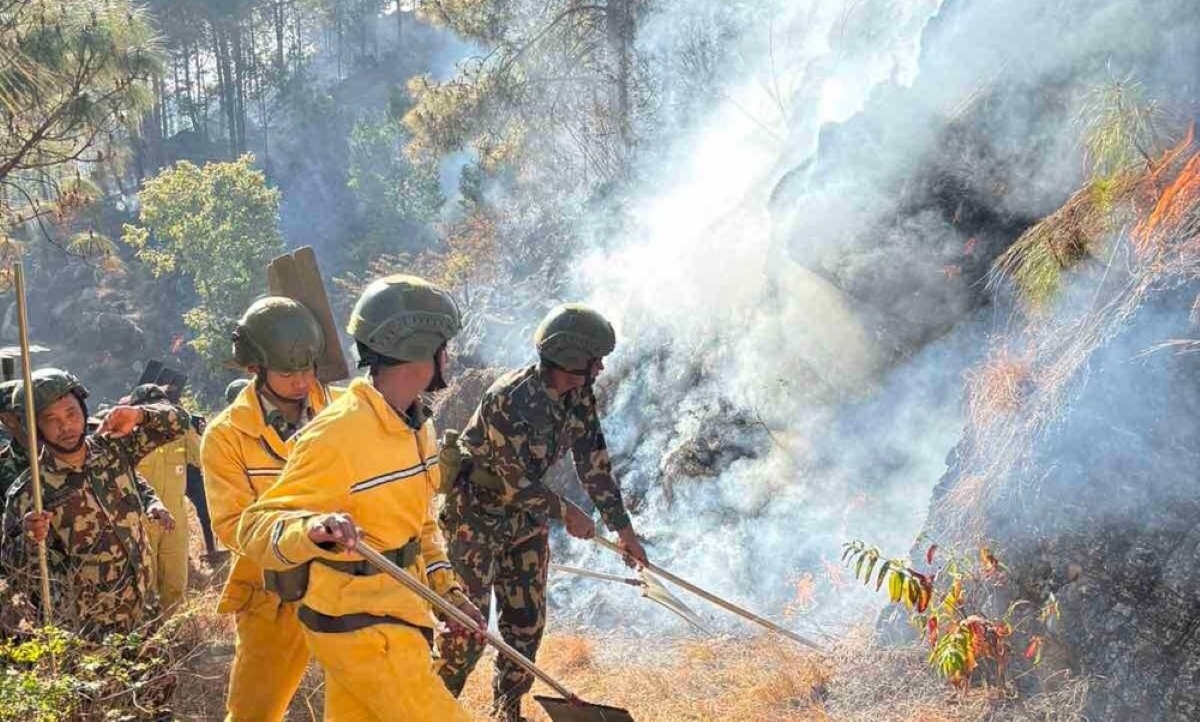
(521, 428)
(100, 566)
(13, 461)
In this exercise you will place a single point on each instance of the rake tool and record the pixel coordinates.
(650, 587)
(568, 708)
(724, 604)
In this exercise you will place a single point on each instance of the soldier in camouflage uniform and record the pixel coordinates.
(13, 457)
(495, 518)
(97, 510)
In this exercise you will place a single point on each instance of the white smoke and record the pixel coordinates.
(704, 280)
(732, 338)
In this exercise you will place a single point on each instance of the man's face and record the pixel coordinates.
(62, 423)
(291, 385)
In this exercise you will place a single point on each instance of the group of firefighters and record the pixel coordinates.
(299, 473)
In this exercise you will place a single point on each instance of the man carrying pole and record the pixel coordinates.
(369, 461)
(97, 510)
(497, 507)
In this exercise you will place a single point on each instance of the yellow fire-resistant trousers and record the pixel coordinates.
(269, 662)
(382, 672)
(170, 551)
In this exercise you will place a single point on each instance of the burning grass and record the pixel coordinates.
(766, 679)
(999, 387)
(1147, 218)
(1036, 262)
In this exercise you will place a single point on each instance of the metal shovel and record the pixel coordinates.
(723, 603)
(569, 708)
(652, 589)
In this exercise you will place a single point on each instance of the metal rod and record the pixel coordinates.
(598, 575)
(411, 583)
(728, 606)
(35, 470)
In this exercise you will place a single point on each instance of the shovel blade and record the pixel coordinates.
(654, 590)
(561, 710)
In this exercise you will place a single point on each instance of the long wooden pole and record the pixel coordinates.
(726, 605)
(597, 575)
(414, 585)
(31, 444)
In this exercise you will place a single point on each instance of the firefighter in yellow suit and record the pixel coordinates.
(369, 462)
(278, 340)
(165, 469)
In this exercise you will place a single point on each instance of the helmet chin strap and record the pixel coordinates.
(589, 377)
(438, 382)
(277, 397)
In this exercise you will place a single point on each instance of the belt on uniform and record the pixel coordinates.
(404, 557)
(327, 624)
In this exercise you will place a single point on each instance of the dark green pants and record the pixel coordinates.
(510, 555)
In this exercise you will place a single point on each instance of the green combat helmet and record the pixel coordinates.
(403, 318)
(234, 388)
(279, 334)
(573, 334)
(49, 385)
(147, 394)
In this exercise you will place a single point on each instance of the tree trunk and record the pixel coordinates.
(298, 47)
(260, 92)
(620, 37)
(238, 57)
(164, 118)
(201, 97)
(278, 18)
(193, 97)
(225, 81)
(339, 34)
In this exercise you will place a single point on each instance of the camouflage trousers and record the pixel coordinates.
(508, 554)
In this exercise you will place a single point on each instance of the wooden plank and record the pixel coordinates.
(286, 282)
(150, 372)
(311, 292)
(297, 276)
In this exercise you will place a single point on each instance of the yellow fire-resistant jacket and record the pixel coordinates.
(361, 458)
(242, 456)
(166, 467)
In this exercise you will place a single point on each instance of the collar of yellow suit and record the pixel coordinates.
(392, 420)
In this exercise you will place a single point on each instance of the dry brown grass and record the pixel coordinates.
(759, 679)
(766, 679)
(676, 681)
(998, 387)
